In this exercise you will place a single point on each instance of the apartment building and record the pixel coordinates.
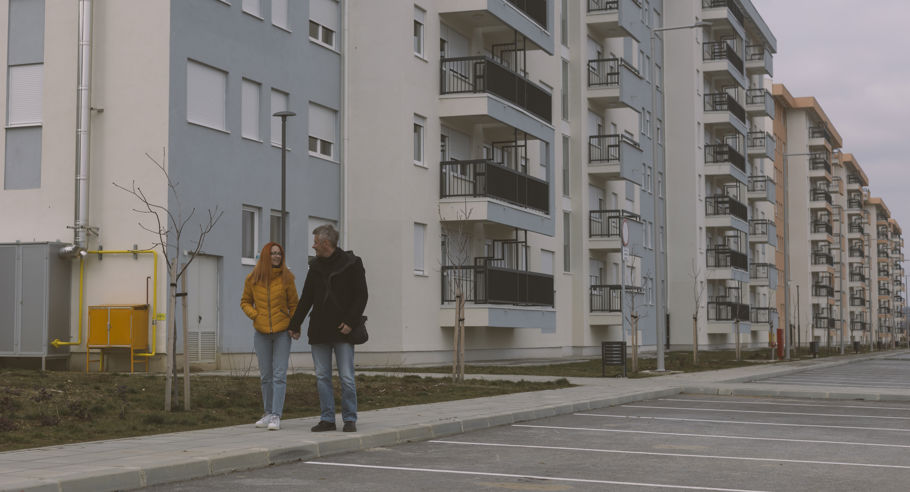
(197, 80)
(720, 161)
(855, 284)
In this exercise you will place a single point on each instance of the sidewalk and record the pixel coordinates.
(143, 461)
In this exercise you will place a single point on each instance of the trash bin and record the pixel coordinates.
(856, 347)
(813, 349)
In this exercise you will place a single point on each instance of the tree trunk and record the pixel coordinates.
(739, 352)
(634, 342)
(186, 353)
(461, 304)
(169, 337)
(695, 339)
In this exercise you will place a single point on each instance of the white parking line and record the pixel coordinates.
(769, 413)
(751, 402)
(532, 477)
(676, 455)
(715, 436)
(828, 382)
(742, 422)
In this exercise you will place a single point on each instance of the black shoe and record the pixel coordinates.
(323, 426)
(349, 427)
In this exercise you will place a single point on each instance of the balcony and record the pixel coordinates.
(726, 264)
(723, 211)
(759, 103)
(820, 197)
(765, 315)
(820, 137)
(487, 284)
(883, 273)
(857, 301)
(761, 188)
(884, 310)
(854, 204)
(613, 83)
(616, 19)
(759, 60)
(763, 231)
(884, 289)
(883, 253)
(722, 11)
(763, 274)
(822, 290)
(722, 109)
(822, 323)
(728, 311)
(529, 18)
(761, 145)
(858, 325)
(724, 160)
(474, 75)
(819, 165)
(720, 57)
(856, 253)
(821, 227)
(823, 259)
(615, 156)
(605, 229)
(857, 276)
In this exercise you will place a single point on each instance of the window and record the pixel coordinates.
(275, 227)
(420, 232)
(24, 103)
(249, 235)
(419, 20)
(278, 102)
(564, 88)
(249, 109)
(324, 22)
(660, 134)
(280, 14)
(419, 125)
(322, 131)
(206, 90)
(312, 224)
(565, 165)
(564, 22)
(660, 184)
(646, 181)
(253, 7)
(22, 169)
(566, 243)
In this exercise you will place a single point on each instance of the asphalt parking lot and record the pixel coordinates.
(888, 372)
(688, 442)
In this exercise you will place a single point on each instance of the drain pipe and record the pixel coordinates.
(83, 108)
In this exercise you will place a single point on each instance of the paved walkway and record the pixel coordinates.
(142, 461)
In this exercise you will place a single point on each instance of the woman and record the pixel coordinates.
(269, 299)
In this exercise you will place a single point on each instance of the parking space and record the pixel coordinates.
(889, 372)
(686, 442)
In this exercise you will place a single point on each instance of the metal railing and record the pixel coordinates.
(857, 253)
(721, 50)
(818, 195)
(856, 228)
(757, 96)
(608, 298)
(485, 284)
(822, 259)
(857, 301)
(854, 203)
(759, 183)
(485, 178)
(822, 290)
(474, 74)
(729, 4)
(718, 153)
(857, 277)
(821, 228)
(608, 148)
(883, 253)
(820, 132)
(763, 314)
(756, 52)
(726, 258)
(603, 5)
(760, 227)
(536, 10)
(604, 72)
(608, 223)
(756, 140)
(721, 101)
(857, 325)
(728, 311)
(761, 270)
(854, 179)
(725, 205)
(819, 161)
(823, 323)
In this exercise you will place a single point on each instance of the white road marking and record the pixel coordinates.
(676, 455)
(738, 422)
(715, 436)
(756, 402)
(532, 477)
(769, 413)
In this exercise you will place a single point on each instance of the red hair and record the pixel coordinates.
(262, 273)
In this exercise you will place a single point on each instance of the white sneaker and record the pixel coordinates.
(264, 421)
(275, 423)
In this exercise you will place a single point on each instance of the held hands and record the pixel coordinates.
(344, 328)
(294, 334)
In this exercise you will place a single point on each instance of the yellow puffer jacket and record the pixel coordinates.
(270, 307)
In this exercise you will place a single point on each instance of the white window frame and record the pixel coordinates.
(250, 103)
(320, 34)
(250, 260)
(277, 214)
(420, 247)
(419, 144)
(420, 32)
(316, 144)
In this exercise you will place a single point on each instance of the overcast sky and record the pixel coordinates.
(853, 57)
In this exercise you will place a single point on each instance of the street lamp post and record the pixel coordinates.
(786, 204)
(660, 322)
(284, 153)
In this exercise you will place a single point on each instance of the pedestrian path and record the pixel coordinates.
(141, 461)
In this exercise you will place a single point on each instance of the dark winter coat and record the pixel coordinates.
(343, 273)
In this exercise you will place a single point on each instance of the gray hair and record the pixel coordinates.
(328, 233)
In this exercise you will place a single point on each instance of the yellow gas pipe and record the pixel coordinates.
(58, 343)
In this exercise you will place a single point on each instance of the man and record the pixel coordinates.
(336, 289)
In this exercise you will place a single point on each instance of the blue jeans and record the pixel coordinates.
(273, 351)
(344, 360)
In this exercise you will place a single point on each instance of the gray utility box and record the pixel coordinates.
(34, 300)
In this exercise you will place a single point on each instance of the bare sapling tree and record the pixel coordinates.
(458, 275)
(169, 224)
(698, 292)
(633, 317)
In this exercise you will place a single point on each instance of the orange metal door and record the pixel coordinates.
(121, 326)
(97, 326)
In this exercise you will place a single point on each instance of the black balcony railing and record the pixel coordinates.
(818, 195)
(757, 96)
(536, 10)
(721, 101)
(604, 72)
(725, 205)
(855, 228)
(883, 273)
(485, 284)
(759, 183)
(603, 5)
(759, 271)
(485, 178)
(608, 223)
(728, 311)
(763, 314)
(884, 290)
(883, 253)
(822, 259)
(820, 132)
(821, 290)
(822, 322)
(727, 258)
(821, 228)
(608, 298)
(857, 253)
(608, 148)
(719, 153)
(854, 203)
(818, 161)
(475, 74)
(756, 140)
(857, 325)
(760, 227)
(756, 52)
(857, 277)
(721, 50)
(884, 310)
(729, 4)
(857, 301)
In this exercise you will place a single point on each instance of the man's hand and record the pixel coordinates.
(294, 334)
(344, 328)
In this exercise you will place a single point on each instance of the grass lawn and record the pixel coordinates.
(49, 408)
